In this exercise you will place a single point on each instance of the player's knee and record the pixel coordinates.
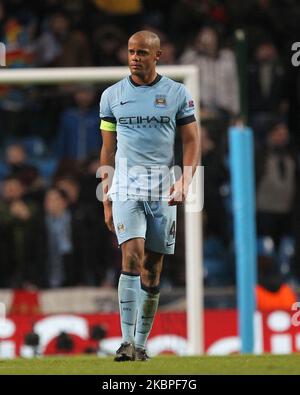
(132, 262)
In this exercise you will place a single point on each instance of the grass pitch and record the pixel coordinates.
(162, 365)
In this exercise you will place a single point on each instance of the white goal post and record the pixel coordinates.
(193, 224)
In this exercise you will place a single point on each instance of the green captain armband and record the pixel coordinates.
(108, 126)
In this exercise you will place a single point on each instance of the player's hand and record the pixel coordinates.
(108, 217)
(177, 193)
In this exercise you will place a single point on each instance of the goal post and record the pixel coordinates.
(188, 74)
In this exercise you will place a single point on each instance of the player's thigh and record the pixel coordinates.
(129, 220)
(161, 228)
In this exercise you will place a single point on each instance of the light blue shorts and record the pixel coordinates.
(153, 221)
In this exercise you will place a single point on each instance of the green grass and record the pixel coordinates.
(234, 364)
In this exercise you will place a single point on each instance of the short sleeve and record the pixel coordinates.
(186, 108)
(108, 121)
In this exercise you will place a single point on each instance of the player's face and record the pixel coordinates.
(142, 57)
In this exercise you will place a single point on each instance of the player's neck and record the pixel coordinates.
(144, 80)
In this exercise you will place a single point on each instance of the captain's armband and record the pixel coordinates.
(108, 124)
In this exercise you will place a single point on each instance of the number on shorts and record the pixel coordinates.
(173, 229)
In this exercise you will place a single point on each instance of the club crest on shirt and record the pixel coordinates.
(121, 228)
(160, 101)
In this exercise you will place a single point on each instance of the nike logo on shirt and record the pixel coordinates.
(125, 102)
(126, 301)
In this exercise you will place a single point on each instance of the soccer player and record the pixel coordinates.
(139, 117)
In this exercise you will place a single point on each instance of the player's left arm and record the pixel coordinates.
(190, 137)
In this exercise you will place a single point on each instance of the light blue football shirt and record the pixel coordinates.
(145, 119)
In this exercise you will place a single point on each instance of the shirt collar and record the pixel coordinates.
(155, 81)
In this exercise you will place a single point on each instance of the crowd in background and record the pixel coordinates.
(52, 231)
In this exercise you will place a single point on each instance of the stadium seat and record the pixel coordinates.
(34, 146)
(46, 167)
(3, 170)
(213, 247)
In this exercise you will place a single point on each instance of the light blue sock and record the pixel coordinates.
(128, 293)
(146, 313)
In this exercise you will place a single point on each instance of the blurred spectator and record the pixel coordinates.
(277, 172)
(168, 54)
(19, 261)
(60, 46)
(89, 180)
(79, 134)
(59, 244)
(101, 249)
(122, 55)
(188, 15)
(106, 42)
(68, 168)
(265, 16)
(17, 33)
(125, 14)
(272, 293)
(16, 161)
(218, 75)
(267, 87)
(125, 7)
(89, 233)
(18, 166)
(79, 12)
(70, 186)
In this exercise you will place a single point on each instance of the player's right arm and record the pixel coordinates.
(107, 156)
(107, 160)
